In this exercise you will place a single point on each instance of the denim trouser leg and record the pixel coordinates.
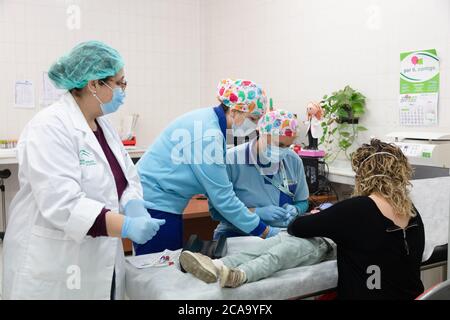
(278, 253)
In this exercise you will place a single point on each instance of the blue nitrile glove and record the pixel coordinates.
(141, 229)
(272, 213)
(292, 214)
(291, 209)
(137, 208)
(272, 232)
(292, 218)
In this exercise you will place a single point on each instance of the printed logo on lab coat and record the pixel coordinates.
(87, 159)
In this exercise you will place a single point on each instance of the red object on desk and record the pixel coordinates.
(131, 142)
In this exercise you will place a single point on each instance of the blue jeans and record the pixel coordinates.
(169, 236)
(281, 252)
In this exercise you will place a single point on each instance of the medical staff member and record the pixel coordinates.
(63, 238)
(188, 158)
(267, 175)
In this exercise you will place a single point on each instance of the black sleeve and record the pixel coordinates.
(335, 222)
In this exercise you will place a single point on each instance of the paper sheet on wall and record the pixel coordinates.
(419, 109)
(50, 93)
(24, 94)
(419, 88)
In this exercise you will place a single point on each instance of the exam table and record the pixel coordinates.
(430, 196)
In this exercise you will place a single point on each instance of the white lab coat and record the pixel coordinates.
(316, 127)
(65, 181)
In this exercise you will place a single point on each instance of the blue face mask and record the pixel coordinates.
(245, 129)
(116, 101)
(275, 154)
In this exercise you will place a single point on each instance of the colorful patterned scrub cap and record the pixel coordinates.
(242, 95)
(278, 123)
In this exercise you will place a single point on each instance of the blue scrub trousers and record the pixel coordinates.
(227, 230)
(169, 236)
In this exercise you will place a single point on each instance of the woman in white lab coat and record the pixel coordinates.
(63, 237)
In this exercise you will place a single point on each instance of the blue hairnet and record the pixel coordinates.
(92, 60)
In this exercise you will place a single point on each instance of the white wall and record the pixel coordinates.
(176, 51)
(159, 40)
(300, 50)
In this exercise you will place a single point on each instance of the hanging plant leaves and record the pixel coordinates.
(361, 128)
(342, 113)
(343, 107)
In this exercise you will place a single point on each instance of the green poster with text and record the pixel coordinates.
(419, 88)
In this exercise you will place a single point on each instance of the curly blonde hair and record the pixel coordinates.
(382, 168)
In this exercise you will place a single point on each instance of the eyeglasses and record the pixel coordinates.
(122, 83)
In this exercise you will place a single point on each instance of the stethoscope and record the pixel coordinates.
(284, 187)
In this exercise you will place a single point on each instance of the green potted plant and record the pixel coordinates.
(342, 111)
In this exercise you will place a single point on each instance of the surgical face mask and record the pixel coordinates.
(245, 129)
(275, 154)
(116, 101)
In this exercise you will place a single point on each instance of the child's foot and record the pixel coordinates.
(232, 277)
(199, 266)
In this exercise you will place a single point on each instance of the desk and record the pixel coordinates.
(197, 220)
(316, 200)
(9, 156)
(340, 171)
(135, 153)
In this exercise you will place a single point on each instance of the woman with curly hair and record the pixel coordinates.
(379, 233)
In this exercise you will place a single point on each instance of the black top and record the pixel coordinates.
(369, 244)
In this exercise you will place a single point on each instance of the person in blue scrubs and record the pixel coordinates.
(267, 175)
(188, 158)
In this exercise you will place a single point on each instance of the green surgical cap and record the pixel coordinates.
(92, 60)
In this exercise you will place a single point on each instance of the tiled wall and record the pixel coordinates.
(301, 50)
(177, 50)
(159, 40)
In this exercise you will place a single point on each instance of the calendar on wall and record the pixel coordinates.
(419, 109)
(419, 88)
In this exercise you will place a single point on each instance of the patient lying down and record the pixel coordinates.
(271, 255)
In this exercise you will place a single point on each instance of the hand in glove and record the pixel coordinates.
(272, 213)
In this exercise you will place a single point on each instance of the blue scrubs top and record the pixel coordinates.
(188, 158)
(250, 185)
